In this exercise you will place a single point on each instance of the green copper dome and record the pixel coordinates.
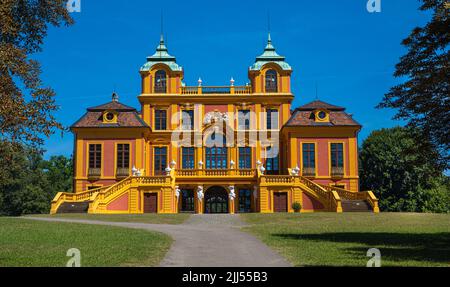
(270, 56)
(161, 56)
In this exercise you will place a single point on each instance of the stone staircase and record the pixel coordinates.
(73, 207)
(356, 206)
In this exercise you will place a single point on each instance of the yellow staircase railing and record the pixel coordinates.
(330, 198)
(368, 196)
(100, 197)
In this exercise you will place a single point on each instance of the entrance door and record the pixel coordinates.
(216, 200)
(280, 201)
(245, 201)
(187, 201)
(150, 203)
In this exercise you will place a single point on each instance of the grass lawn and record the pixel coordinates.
(141, 218)
(330, 239)
(45, 244)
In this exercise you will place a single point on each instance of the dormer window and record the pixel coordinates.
(161, 82)
(110, 117)
(322, 116)
(271, 81)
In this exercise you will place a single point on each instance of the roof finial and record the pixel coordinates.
(115, 97)
(268, 27)
(162, 27)
(317, 91)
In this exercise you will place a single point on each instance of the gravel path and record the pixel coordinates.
(205, 241)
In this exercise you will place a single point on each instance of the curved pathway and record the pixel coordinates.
(205, 241)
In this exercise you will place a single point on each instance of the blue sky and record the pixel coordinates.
(350, 53)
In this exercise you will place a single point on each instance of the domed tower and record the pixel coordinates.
(161, 74)
(270, 73)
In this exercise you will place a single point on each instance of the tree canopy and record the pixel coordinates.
(402, 177)
(26, 106)
(423, 100)
(28, 183)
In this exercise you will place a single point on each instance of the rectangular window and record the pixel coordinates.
(309, 159)
(272, 119)
(160, 120)
(245, 158)
(188, 158)
(273, 166)
(217, 158)
(244, 120)
(123, 156)
(188, 120)
(337, 155)
(95, 156)
(337, 159)
(160, 160)
(245, 200)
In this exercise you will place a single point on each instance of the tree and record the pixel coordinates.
(401, 176)
(423, 99)
(27, 182)
(59, 172)
(26, 106)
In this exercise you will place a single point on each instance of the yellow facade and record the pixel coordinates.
(170, 166)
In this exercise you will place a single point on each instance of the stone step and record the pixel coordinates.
(74, 207)
(356, 206)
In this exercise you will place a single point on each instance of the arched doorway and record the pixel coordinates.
(216, 200)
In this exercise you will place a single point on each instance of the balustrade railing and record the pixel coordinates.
(309, 171)
(123, 172)
(337, 171)
(278, 179)
(94, 173)
(209, 90)
(350, 195)
(215, 172)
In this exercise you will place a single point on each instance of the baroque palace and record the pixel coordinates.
(227, 149)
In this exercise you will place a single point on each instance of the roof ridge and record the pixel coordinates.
(113, 105)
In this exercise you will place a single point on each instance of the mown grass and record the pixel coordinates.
(139, 218)
(30, 243)
(330, 239)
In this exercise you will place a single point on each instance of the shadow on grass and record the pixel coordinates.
(431, 247)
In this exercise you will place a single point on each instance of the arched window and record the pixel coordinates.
(161, 82)
(216, 152)
(271, 81)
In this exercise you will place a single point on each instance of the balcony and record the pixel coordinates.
(337, 172)
(271, 89)
(309, 172)
(189, 173)
(217, 90)
(94, 173)
(122, 173)
(160, 90)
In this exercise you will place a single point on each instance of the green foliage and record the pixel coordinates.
(402, 176)
(423, 98)
(296, 206)
(28, 183)
(27, 106)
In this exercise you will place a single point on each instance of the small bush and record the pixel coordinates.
(296, 206)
